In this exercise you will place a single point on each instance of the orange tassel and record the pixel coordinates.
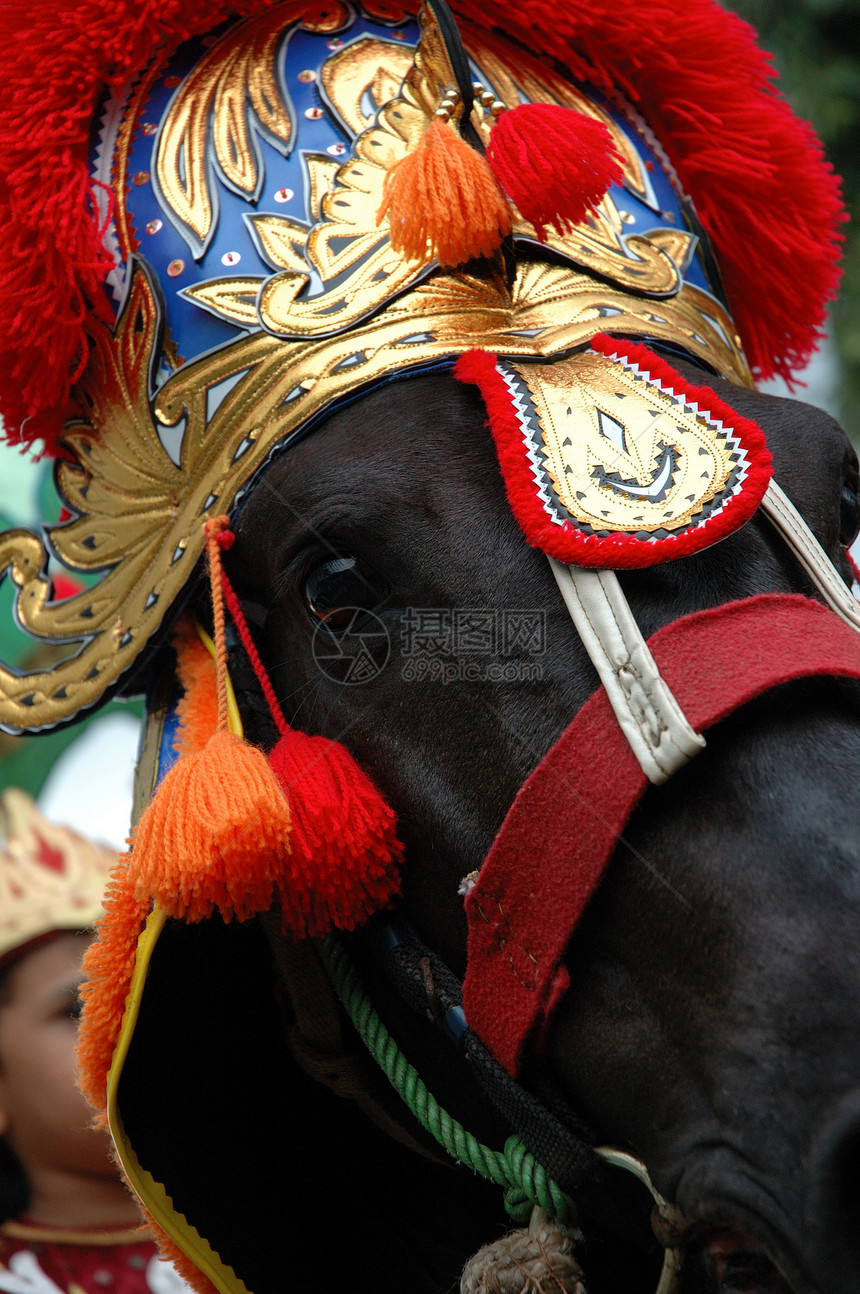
(443, 201)
(168, 1247)
(217, 831)
(215, 836)
(345, 858)
(197, 709)
(108, 968)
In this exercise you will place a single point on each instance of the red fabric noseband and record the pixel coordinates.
(564, 824)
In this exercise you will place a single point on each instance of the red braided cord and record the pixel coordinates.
(253, 655)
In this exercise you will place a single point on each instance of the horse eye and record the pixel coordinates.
(849, 515)
(338, 588)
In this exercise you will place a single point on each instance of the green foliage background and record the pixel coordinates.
(816, 44)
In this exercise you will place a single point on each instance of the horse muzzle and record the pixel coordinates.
(734, 1237)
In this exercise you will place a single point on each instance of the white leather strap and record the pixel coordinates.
(778, 507)
(650, 717)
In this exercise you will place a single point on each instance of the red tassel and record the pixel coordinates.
(443, 201)
(554, 164)
(345, 855)
(344, 852)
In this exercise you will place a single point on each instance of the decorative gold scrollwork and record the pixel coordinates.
(368, 68)
(345, 246)
(233, 91)
(140, 516)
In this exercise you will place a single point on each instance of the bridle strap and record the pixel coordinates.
(650, 717)
(782, 513)
(568, 817)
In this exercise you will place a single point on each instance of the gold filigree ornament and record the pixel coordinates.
(140, 516)
(347, 247)
(621, 454)
(231, 94)
(612, 458)
(340, 312)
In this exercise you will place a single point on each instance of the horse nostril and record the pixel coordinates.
(835, 1206)
(846, 1179)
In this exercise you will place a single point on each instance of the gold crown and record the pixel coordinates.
(50, 877)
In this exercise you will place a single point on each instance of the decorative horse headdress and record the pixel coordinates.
(223, 219)
(206, 249)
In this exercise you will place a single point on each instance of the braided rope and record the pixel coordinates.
(525, 1182)
(253, 655)
(213, 530)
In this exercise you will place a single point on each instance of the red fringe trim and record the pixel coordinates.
(618, 551)
(757, 175)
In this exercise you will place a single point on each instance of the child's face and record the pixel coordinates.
(43, 1115)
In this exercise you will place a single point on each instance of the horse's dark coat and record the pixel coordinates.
(712, 1023)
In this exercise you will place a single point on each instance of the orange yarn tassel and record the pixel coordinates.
(216, 834)
(217, 831)
(197, 708)
(345, 859)
(554, 164)
(443, 201)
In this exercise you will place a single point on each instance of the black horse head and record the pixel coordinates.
(287, 322)
(711, 1022)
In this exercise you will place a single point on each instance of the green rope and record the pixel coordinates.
(515, 1169)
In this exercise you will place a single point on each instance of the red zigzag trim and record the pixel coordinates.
(618, 551)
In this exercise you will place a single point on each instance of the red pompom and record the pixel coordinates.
(554, 164)
(344, 861)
